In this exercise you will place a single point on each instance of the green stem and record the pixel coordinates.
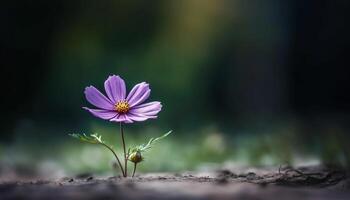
(133, 173)
(125, 156)
(116, 157)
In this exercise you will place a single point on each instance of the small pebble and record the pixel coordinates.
(222, 180)
(251, 176)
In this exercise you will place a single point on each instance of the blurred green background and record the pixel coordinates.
(241, 82)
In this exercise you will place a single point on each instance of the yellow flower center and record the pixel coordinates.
(122, 106)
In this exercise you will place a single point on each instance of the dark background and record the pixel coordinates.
(263, 74)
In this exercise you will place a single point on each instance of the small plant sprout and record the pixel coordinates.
(123, 109)
(135, 153)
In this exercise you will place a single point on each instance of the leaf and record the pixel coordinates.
(92, 139)
(134, 154)
(144, 147)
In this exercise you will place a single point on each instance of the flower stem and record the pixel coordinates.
(133, 173)
(125, 156)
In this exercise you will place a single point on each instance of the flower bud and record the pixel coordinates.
(135, 157)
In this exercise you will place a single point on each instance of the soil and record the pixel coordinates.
(248, 183)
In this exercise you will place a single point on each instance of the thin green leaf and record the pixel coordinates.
(85, 138)
(92, 139)
(152, 141)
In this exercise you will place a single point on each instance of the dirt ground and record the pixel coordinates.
(248, 183)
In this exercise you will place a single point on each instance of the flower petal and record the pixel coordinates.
(115, 88)
(138, 94)
(103, 114)
(121, 118)
(147, 109)
(97, 99)
(140, 118)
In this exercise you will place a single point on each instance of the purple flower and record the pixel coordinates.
(118, 106)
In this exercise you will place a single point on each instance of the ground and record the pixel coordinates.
(316, 182)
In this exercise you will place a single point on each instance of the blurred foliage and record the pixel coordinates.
(203, 149)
